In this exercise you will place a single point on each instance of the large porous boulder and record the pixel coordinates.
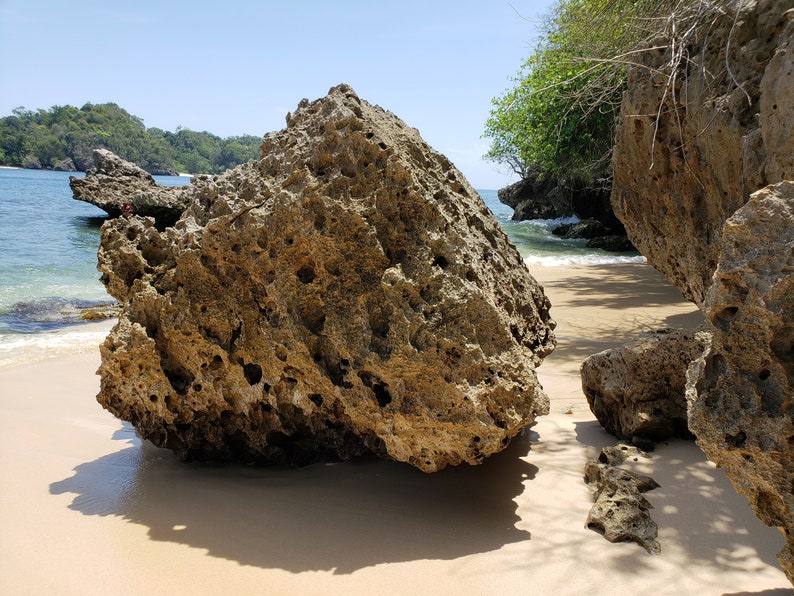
(742, 391)
(118, 186)
(350, 293)
(703, 168)
(638, 391)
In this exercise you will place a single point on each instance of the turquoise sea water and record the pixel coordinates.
(48, 246)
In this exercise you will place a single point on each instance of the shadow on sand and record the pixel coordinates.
(339, 517)
(716, 528)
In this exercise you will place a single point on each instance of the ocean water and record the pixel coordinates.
(48, 246)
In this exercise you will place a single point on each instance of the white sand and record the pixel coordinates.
(85, 508)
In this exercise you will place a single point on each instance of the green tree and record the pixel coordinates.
(561, 115)
(45, 138)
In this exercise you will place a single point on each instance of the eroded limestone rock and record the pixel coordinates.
(349, 293)
(702, 181)
(681, 170)
(741, 393)
(620, 512)
(638, 391)
(118, 186)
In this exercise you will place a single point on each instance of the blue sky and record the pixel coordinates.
(238, 66)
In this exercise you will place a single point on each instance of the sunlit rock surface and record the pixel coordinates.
(349, 293)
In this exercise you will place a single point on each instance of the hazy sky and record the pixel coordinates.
(237, 67)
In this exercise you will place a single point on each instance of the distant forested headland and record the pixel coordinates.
(64, 138)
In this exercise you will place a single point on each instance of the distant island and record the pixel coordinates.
(64, 138)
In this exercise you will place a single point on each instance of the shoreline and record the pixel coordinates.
(146, 523)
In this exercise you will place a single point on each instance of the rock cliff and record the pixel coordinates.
(349, 293)
(118, 186)
(703, 165)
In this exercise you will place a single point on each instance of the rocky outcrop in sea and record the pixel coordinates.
(350, 293)
(118, 186)
(537, 196)
(703, 167)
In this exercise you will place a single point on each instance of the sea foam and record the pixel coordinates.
(26, 348)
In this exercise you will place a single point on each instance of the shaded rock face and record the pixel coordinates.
(349, 293)
(742, 392)
(703, 168)
(682, 170)
(118, 186)
(638, 391)
(533, 198)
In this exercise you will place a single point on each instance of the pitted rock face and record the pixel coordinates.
(118, 186)
(349, 293)
(702, 182)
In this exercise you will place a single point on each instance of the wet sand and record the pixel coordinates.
(86, 508)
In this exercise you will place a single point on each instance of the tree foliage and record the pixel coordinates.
(561, 115)
(65, 136)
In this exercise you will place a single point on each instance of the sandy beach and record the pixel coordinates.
(86, 508)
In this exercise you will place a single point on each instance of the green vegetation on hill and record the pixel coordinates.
(560, 117)
(64, 137)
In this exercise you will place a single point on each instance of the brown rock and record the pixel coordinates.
(349, 293)
(620, 512)
(638, 391)
(741, 392)
(703, 154)
(680, 170)
(118, 186)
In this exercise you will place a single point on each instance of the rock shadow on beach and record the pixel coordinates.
(337, 517)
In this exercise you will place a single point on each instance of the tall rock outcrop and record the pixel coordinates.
(694, 142)
(349, 293)
(703, 165)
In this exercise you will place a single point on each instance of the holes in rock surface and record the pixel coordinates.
(441, 261)
(306, 273)
(236, 333)
(197, 387)
(314, 321)
(252, 372)
(179, 378)
(379, 324)
(516, 332)
(153, 399)
(723, 318)
(336, 372)
(764, 374)
(316, 399)
(379, 388)
(153, 255)
(736, 440)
